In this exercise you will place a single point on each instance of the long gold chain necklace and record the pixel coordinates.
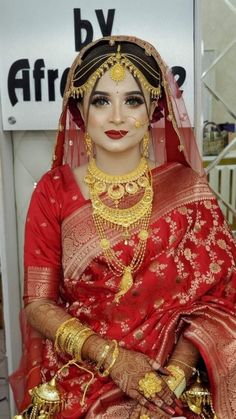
(124, 219)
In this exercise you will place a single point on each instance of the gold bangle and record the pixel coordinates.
(78, 345)
(176, 381)
(63, 332)
(70, 337)
(115, 355)
(184, 363)
(69, 348)
(103, 357)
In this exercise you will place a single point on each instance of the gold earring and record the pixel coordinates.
(88, 145)
(145, 145)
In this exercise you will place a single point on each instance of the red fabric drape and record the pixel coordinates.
(186, 285)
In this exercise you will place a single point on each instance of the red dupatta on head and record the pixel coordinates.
(172, 136)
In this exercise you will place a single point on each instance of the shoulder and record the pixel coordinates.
(178, 174)
(177, 180)
(55, 179)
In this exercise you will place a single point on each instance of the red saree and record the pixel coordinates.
(187, 284)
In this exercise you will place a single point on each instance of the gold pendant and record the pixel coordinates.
(125, 284)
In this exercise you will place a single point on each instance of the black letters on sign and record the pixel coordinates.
(86, 25)
(180, 72)
(19, 83)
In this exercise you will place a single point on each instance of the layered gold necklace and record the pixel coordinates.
(117, 189)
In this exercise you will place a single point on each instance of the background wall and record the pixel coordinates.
(219, 42)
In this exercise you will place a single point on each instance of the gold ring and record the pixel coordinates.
(144, 417)
(150, 385)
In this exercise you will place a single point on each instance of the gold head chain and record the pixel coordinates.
(116, 63)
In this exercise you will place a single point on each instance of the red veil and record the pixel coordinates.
(172, 136)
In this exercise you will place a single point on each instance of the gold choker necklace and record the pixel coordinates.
(124, 219)
(117, 186)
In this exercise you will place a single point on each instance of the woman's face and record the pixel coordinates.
(114, 109)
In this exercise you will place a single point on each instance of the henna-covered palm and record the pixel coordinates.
(129, 368)
(139, 410)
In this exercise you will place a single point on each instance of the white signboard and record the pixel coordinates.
(39, 40)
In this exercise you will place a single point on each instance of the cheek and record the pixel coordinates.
(97, 119)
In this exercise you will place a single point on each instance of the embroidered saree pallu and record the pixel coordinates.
(186, 285)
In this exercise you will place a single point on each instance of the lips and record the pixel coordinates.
(116, 135)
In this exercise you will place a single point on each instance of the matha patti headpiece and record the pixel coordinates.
(117, 63)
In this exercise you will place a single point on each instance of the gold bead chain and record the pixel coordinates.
(124, 219)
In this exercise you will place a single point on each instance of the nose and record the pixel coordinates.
(117, 113)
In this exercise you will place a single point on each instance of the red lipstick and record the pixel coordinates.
(116, 135)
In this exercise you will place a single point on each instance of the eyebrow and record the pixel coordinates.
(133, 92)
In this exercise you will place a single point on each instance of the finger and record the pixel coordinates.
(157, 367)
(135, 412)
(163, 406)
(179, 403)
(170, 409)
(152, 415)
(164, 371)
(154, 406)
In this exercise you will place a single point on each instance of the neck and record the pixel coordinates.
(117, 163)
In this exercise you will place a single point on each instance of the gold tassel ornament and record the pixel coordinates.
(46, 402)
(198, 399)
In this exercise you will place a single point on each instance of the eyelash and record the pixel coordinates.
(133, 101)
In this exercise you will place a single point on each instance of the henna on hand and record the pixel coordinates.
(45, 316)
(139, 410)
(129, 368)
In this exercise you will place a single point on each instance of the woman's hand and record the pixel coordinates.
(139, 410)
(129, 368)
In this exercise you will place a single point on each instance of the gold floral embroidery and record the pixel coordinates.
(222, 244)
(138, 334)
(207, 204)
(183, 210)
(188, 254)
(158, 303)
(215, 268)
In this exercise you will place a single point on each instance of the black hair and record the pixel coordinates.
(104, 48)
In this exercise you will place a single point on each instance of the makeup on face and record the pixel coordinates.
(116, 134)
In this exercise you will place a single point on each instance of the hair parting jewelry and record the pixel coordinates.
(117, 63)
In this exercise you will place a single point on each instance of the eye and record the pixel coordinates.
(134, 100)
(100, 101)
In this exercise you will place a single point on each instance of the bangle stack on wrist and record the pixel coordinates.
(70, 338)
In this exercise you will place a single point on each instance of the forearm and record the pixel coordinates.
(46, 317)
(187, 354)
